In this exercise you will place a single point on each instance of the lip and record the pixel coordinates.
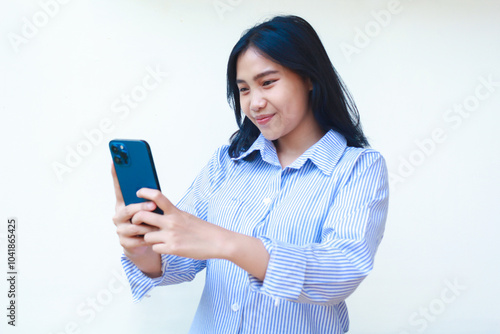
(263, 119)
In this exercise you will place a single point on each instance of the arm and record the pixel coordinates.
(247, 252)
(182, 234)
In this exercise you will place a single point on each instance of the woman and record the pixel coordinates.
(286, 220)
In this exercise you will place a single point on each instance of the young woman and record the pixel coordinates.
(286, 220)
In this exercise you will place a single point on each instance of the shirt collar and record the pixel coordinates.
(266, 148)
(325, 154)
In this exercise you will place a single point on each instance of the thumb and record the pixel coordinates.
(156, 196)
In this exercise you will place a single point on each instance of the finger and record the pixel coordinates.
(133, 242)
(125, 214)
(157, 197)
(161, 249)
(148, 218)
(132, 230)
(118, 190)
(155, 237)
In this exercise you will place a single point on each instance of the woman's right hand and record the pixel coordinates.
(131, 236)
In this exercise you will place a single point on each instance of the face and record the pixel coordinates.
(274, 98)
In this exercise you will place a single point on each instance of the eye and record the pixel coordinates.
(268, 82)
(243, 89)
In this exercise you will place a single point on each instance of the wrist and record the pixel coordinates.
(247, 252)
(228, 245)
(148, 261)
(136, 252)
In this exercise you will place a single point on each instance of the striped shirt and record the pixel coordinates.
(321, 220)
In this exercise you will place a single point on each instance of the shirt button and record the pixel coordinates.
(235, 307)
(267, 200)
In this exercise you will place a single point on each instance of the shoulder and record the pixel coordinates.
(356, 160)
(219, 163)
(353, 154)
(220, 157)
(214, 172)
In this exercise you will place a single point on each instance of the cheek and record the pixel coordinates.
(294, 112)
(244, 108)
(243, 105)
(298, 106)
(245, 113)
(293, 99)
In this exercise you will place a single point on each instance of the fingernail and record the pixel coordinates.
(150, 205)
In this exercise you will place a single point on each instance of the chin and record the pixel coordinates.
(270, 135)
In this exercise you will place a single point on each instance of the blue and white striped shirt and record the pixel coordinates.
(321, 220)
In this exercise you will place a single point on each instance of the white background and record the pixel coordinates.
(407, 77)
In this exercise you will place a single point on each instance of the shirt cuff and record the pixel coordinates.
(140, 284)
(285, 271)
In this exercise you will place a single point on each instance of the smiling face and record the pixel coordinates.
(275, 99)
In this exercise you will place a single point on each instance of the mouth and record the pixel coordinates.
(263, 119)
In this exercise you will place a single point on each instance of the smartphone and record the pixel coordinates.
(134, 167)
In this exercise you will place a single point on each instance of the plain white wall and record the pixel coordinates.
(418, 70)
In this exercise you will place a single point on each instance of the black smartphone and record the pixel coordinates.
(134, 167)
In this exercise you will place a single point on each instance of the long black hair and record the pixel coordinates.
(291, 42)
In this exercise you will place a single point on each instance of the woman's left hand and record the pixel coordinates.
(180, 233)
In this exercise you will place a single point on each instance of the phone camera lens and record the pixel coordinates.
(124, 156)
(118, 160)
(114, 149)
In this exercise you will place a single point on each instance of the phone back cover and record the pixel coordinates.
(138, 173)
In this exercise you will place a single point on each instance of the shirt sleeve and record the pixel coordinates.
(177, 269)
(329, 271)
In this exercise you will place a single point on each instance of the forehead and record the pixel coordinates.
(251, 62)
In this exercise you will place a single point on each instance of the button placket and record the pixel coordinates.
(273, 190)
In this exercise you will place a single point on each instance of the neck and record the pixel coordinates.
(290, 147)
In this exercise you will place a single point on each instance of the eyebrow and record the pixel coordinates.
(258, 76)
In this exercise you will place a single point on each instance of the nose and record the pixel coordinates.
(257, 101)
